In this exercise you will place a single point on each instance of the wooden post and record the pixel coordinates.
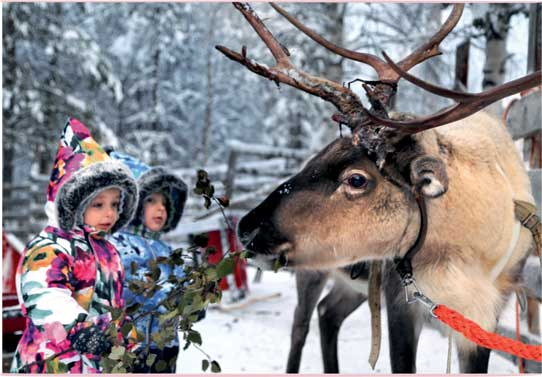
(535, 147)
(533, 56)
(534, 64)
(462, 66)
(230, 174)
(535, 159)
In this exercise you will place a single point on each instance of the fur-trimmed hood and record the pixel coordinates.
(156, 179)
(81, 170)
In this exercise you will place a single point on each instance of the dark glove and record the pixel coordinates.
(140, 363)
(201, 315)
(90, 340)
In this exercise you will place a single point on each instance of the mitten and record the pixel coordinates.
(201, 315)
(90, 340)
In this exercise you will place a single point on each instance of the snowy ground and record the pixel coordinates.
(255, 339)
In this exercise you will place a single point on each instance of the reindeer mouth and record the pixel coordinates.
(279, 257)
(283, 255)
(267, 249)
(283, 248)
(265, 262)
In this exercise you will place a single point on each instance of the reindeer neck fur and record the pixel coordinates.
(458, 259)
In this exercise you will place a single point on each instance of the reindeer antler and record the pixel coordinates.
(351, 110)
(467, 103)
(386, 74)
(285, 72)
(367, 125)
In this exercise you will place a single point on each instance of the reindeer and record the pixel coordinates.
(434, 195)
(349, 291)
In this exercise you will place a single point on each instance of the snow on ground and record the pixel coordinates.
(256, 338)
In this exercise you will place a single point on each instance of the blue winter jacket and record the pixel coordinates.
(140, 245)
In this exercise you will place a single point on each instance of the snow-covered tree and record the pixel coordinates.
(53, 71)
(147, 79)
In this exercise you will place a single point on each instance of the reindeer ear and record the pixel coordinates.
(429, 172)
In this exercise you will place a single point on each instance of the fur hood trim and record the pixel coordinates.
(81, 170)
(158, 179)
(174, 190)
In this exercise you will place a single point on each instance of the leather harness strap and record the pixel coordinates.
(404, 265)
(526, 213)
(375, 280)
(404, 268)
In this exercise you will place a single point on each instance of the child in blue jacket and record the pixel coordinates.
(161, 201)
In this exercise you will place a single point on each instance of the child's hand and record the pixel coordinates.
(201, 314)
(91, 340)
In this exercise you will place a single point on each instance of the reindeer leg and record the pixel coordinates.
(474, 361)
(340, 302)
(404, 327)
(309, 286)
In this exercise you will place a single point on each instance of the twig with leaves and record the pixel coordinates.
(187, 297)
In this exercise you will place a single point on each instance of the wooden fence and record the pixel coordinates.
(23, 208)
(250, 173)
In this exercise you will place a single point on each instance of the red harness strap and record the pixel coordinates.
(484, 338)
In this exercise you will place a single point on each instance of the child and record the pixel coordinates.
(161, 201)
(71, 278)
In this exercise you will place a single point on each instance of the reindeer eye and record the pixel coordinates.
(357, 181)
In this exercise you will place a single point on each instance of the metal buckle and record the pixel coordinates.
(406, 284)
(418, 296)
(426, 301)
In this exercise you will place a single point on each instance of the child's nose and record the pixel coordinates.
(111, 212)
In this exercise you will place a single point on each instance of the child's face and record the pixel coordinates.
(103, 211)
(154, 212)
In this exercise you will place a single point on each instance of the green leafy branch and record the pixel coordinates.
(190, 293)
(187, 297)
(49, 362)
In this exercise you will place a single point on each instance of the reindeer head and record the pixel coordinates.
(362, 186)
(340, 188)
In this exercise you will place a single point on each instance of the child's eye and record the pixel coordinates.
(116, 205)
(97, 205)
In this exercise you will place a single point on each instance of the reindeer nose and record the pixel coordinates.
(248, 227)
(246, 237)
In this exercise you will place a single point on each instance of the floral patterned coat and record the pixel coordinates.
(70, 276)
(68, 281)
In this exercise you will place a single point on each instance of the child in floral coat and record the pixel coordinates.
(161, 201)
(70, 278)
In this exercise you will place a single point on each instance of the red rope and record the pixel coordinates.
(486, 339)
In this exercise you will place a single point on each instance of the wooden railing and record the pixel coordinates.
(250, 173)
(22, 205)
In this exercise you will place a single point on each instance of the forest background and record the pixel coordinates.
(147, 79)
